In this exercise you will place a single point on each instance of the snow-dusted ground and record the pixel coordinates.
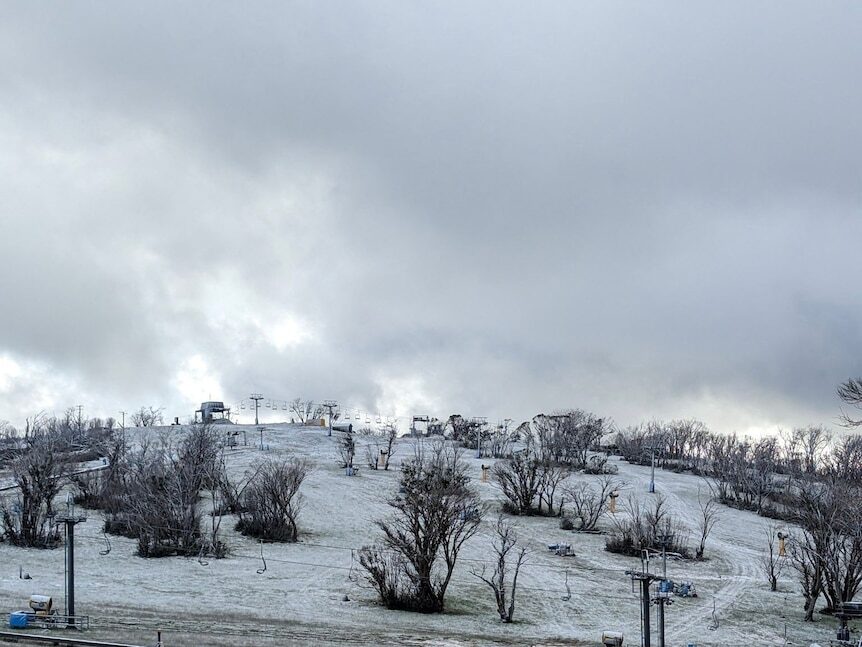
(299, 599)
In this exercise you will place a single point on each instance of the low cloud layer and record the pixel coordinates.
(487, 208)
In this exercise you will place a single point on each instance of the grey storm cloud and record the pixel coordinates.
(490, 208)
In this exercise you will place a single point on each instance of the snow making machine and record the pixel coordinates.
(42, 606)
(41, 611)
(612, 639)
(43, 614)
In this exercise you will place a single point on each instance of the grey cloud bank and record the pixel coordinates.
(489, 208)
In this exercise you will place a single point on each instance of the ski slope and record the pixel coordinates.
(299, 599)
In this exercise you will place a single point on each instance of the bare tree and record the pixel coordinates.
(500, 440)
(98, 490)
(381, 445)
(164, 487)
(39, 474)
(7, 431)
(850, 392)
(551, 478)
(709, 515)
(808, 564)
(641, 527)
(231, 490)
(589, 501)
(827, 550)
(346, 448)
(148, 417)
(566, 437)
(845, 460)
(773, 563)
(306, 410)
(520, 480)
(435, 513)
(272, 500)
(504, 592)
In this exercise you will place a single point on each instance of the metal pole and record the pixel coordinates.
(70, 559)
(257, 397)
(645, 602)
(661, 622)
(652, 474)
(330, 405)
(664, 541)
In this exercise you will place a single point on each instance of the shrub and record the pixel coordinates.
(435, 512)
(272, 501)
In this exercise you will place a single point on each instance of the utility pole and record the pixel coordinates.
(330, 405)
(70, 518)
(257, 397)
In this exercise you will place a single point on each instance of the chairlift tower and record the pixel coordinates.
(70, 518)
(479, 423)
(663, 596)
(652, 448)
(330, 405)
(645, 578)
(257, 397)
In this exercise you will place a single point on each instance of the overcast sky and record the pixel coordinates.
(649, 210)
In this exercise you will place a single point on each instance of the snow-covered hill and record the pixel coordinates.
(300, 598)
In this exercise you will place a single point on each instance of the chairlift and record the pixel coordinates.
(378, 419)
(268, 405)
(242, 405)
(715, 624)
(284, 406)
(357, 415)
(262, 570)
(350, 572)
